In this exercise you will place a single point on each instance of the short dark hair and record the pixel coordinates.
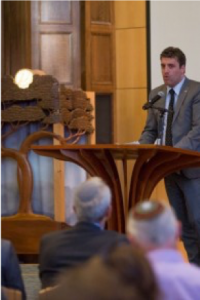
(123, 273)
(173, 52)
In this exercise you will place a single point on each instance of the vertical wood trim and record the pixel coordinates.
(16, 42)
(92, 137)
(59, 180)
(87, 45)
(59, 167)
(35, 35)
(1, 40)
(76, 44)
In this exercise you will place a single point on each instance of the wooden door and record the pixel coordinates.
(98, 62)
(56, 40)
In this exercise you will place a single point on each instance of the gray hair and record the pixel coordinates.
(92, 200)
(152, 223)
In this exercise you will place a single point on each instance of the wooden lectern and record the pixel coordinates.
(152, 163)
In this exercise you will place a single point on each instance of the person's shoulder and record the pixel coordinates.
(185, 273)
(159, 87)
(193, 84)
(57, 234)
(113, 239)
(156, 90)
(8, 252)
(6, 245)
(115, 234)
(192, 81)
(52, 235)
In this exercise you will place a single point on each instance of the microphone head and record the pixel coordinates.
(153, 100)
(161, 94)
(157, 97)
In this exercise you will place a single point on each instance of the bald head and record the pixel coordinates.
(153, 224)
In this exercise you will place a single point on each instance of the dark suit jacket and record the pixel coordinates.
(10, 269)
(186, 121)
(68, 248)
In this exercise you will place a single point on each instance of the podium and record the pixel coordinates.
(152, 163)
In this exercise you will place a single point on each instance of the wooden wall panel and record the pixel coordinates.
(131, 58)
(101, 69)
(59, 13)
(131, 69)
(101, 12)
(98, 60)
(56, 40)
(56, 64)
(130, 116)
(99, 47)
(16, 41)
(130, 14)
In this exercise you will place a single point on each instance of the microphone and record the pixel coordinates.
(153, 100)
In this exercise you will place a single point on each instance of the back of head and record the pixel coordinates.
(134, 270)
(172, 52)
(124, 274)
(92, 200)
(153, 224)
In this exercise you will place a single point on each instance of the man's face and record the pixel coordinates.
(171, 71)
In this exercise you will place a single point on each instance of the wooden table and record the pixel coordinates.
(152, 163)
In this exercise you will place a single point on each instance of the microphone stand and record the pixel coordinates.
(162, 111)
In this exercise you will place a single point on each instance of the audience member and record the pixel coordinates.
(3, 296)
(10, 269)
(122, 274)
(153, 226)
(68, 248)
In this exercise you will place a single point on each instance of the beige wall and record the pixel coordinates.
(131, 66)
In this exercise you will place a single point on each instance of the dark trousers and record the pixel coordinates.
(184, 197)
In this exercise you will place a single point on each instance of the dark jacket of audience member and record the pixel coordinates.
(122, 274)
(68, 248)
(10, 270)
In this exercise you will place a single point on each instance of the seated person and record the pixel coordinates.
(123, 274)
(154, 227)
(10, 269)
(67, 248)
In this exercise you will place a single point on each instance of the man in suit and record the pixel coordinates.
(153, 226)
(181, 129)
(65, 249)
(10, 270)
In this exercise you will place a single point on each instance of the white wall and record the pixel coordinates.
(175, 23)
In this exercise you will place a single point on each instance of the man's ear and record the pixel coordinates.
(133, 241)
(108, 212)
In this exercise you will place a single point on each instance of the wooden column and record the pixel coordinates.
(16, 36)
(1, 40)
(98, 62)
